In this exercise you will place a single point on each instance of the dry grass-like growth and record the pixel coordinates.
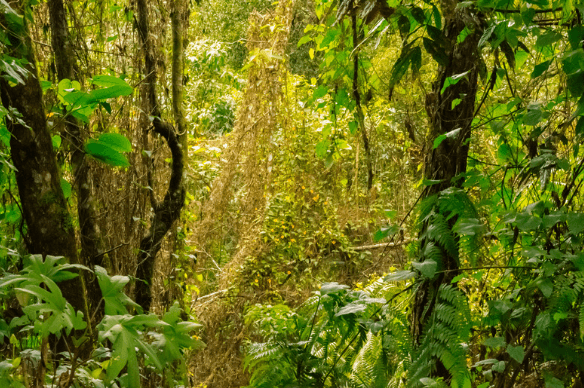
(248, 159)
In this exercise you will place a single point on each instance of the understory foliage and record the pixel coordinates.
(127, 339)
(303, 193)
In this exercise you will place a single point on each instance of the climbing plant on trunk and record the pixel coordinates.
(451, 108)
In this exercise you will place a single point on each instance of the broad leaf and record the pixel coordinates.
(427, 268)
(106, 154)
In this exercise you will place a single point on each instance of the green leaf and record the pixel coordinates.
(498, 367)
(457, 278)
(548, 38)
(533, 115)
(303, 40)
(450, 135)
(320, 92)
(111, 92)
(418, 14)
(453, 80)
(573, 62)
(106, 154)
(385, 232)
(321, 148)
(528, 222)
(409, 56)
(330, 36)
(552, 382)
(56, 140)
(427, 268)
(494, 342)
(351, 308)
(176, 335)
(331, 288)
(575, 222)
(540, 68)
(66, 187)
(77, 98)
(400, 276)
(553, 218)
(468, 227)
(116, 142)
(546, 286)
(487, 35)
(403, 24)
(436, 51)
(516, 352)
(113, 82)
(112, 292)
(431, 182)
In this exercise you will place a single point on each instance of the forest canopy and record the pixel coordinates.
(292, 193)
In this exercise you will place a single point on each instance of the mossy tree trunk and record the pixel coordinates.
(446, 162)
(91, 241)
(49, 225)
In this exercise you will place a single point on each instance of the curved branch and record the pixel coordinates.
(167, 212)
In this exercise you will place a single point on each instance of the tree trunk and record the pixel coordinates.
(49, 225)
(167, 212)
(91, 242)
(446, 162)
(357, 96)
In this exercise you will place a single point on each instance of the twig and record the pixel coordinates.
(383, 245)
(494, 267)
(111, 250)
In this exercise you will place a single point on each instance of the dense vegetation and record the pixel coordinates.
(300, 193)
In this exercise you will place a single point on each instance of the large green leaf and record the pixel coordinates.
(540, 68)
(115, 87)
(125, 333)
(548, 38)
(576, 222)
(351, 308)
(516, 352)
(106, 154)
(177, 335)
(116, 141)
(112, 292)
(331, 288)
(399, 276)
(427, 268)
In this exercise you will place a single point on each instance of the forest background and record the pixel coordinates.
(308, 193)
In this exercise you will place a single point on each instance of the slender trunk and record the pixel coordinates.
(357, 97)
(167, 212)
(91, 242)
(177, 23)
(449, 159)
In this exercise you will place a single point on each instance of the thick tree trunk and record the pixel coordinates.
(167, 212)
(49, 225)
(91, 241)
(449, 159)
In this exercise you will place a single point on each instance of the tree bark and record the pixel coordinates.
(167, 212)
(49, 225)
(91, 241)
(357, 97)
(449, 159)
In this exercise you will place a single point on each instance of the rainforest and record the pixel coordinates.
(291, 193)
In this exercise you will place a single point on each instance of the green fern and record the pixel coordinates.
(447, 329)
(362, 349)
